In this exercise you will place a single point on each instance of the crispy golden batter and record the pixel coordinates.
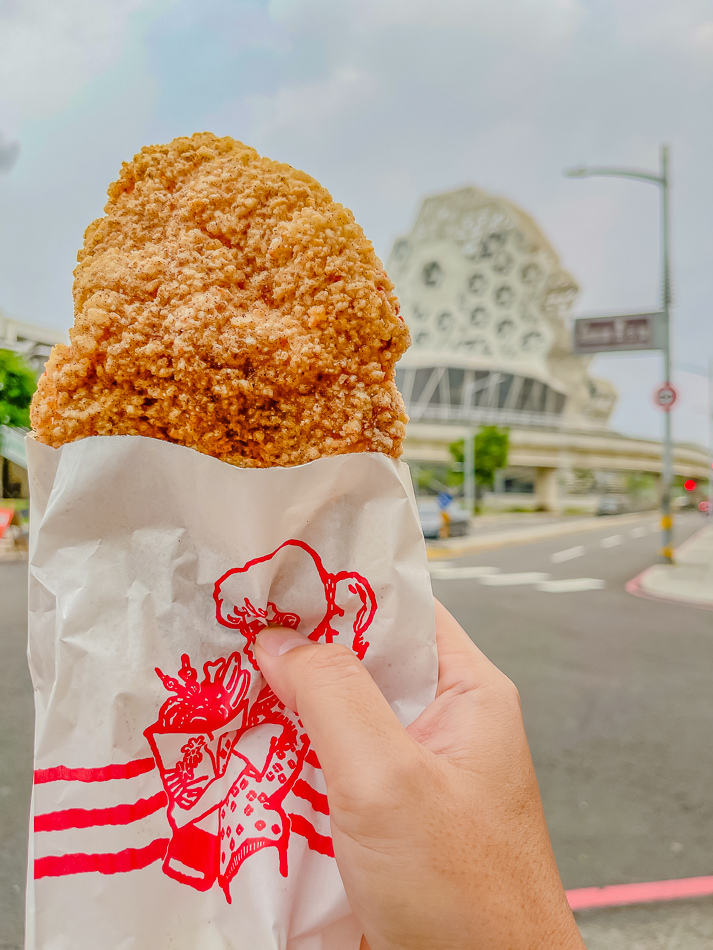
(226, 303)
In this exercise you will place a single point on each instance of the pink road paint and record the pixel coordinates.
(618, 895)
(635, 585)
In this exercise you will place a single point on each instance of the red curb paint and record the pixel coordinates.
(618, 895)
(634, 586)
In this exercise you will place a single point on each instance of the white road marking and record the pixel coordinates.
(461, 573)
(510, 580)
(567, 555)
(440, 566)
(611, 542)
(571, 584)
(637, 532)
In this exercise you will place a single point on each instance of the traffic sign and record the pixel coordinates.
(444, 500)
(665, 396)
(620, 332)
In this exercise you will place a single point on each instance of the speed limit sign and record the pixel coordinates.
(665, 396)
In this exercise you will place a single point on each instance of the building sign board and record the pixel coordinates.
(619, 332)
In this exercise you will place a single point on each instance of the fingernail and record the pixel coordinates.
(276, 641)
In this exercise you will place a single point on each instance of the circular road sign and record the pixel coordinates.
(665, 396)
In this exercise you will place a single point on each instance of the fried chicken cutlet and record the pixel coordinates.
(225, 302)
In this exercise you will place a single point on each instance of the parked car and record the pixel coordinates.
(611, 505)
(431, 520)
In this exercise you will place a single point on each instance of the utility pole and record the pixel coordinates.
(667, 473)
(663, 180)
(710, 436)
(468, 473)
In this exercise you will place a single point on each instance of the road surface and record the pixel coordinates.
(616, 694)
(617, 701)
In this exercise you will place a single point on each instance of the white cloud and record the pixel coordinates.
(384, 101)
(531, 21)
(702, 36)
(311, 107)
(50, 49)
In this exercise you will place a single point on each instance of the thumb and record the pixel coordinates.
(351, 726)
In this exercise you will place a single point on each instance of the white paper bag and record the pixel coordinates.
(177, 803)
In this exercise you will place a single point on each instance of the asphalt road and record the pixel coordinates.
(16, 726)
(617, 700)
(616, 693)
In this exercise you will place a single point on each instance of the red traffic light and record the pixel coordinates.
(689, 485)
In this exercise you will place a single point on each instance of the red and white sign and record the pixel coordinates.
(6, 516)
(665, 396)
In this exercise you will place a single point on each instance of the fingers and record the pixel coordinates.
(460, 662)
(350, 724)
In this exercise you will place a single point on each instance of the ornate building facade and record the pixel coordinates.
(489, 307)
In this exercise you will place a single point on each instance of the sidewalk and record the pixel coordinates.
(688, 581)
(9, 551)
(472, 544)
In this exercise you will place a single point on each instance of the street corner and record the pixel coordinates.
(689, 580)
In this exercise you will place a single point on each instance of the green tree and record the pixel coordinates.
(17, 384)
(490, 453)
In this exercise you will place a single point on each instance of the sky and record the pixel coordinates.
(384, 102)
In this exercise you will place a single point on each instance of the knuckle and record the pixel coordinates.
(333, 659)
(511, 694)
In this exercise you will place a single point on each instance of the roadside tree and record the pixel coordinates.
(490, 453)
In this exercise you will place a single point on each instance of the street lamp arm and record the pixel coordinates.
(582, 172)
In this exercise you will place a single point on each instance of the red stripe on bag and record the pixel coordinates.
(60, 773)
(317, 800)
(316, 841)
(91, 817)
(131, 859)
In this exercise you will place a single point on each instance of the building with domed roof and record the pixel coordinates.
(489, 307)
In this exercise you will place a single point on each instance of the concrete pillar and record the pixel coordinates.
(546, 489)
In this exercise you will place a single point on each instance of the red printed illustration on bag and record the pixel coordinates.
(235, 764)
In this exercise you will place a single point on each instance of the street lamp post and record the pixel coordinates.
(662, 180)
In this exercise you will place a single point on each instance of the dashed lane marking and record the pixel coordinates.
(462, 573)
(511, 580)
(611, 542)
(567, 555)
(637, 532)
(571, 584)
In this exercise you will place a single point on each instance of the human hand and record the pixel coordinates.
(438, 829)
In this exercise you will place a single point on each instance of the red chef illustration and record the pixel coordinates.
(234, 761)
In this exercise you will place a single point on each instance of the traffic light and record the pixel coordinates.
(689, 485)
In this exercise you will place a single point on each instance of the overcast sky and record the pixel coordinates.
(384, 101)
